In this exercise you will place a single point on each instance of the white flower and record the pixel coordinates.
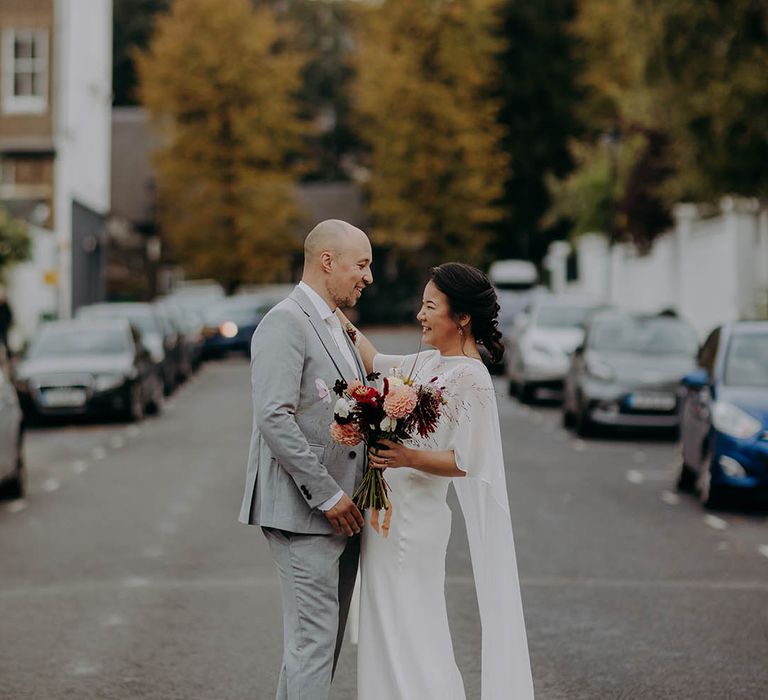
(342, 408)
(395, 380)
(388, 424)
(323, 392)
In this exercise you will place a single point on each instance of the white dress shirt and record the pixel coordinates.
(337, 333)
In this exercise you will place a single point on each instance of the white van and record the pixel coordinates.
(513, 275)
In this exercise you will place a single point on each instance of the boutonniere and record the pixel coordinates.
(351, 332)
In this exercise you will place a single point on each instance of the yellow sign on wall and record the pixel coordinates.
(51, 277)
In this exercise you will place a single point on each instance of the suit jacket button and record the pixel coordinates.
(352, 454)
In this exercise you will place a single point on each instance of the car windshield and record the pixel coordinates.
(556, 316)
(76, 342)
(146, 322)
(654, 336)
(241, 314)
(746, 363)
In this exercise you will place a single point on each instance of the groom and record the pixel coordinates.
(299, 481)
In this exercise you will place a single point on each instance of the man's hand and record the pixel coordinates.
(345, 517)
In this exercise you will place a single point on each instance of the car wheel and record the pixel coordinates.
(568, 418)
(584, 426)
(511, 388)
(526, 392)
(687, 479)
(14, 487)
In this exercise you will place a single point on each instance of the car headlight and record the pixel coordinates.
(105, 382)
(733, 421)
(228, 329)
(600, 370)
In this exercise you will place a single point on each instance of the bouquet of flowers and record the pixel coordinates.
(398, 411)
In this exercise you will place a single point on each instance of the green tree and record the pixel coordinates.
(690, 80)
(131, 30)
(220, 83)
(538, 95)
(15, 241)
(422, 92)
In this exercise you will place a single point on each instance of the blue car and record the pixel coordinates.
(724, 426)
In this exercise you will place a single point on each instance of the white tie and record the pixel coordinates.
(339, 334)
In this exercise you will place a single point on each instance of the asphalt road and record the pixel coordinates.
(124, 574)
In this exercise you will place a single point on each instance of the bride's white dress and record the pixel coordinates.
(404, 645)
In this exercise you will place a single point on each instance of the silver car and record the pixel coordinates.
(540, 342)
(627, 373)
(11, 440)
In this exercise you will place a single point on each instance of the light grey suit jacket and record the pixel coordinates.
(293, 464)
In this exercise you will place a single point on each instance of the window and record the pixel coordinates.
(25, 71)
(7, 172)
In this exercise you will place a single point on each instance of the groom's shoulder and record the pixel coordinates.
(285, 315)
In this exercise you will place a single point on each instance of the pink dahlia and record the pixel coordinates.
(346, 434)
(400, 401)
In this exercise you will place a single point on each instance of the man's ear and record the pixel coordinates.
(326, 260)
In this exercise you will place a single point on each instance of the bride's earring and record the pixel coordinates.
(461, 331)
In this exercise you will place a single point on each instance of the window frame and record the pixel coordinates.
(25, 104)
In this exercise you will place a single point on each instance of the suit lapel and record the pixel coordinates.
(358, 360)
(323, 333)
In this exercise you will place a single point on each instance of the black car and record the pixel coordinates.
(157, 334)
(93, 367)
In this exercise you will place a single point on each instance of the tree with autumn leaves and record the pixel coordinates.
(422, 93)
(219, 81)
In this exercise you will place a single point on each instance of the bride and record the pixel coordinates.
(405, 650)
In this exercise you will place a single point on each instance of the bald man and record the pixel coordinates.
(299, 481)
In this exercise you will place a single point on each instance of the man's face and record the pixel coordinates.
(350, 271)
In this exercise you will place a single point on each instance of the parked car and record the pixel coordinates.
(89, 367)
(724, 427)
(627, 372)
(540, 342)
(12, 473)
(230, 323)
(156, 334)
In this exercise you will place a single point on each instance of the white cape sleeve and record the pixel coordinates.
(482, 493)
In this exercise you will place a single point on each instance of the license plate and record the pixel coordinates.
(651, 401)
(60, 398)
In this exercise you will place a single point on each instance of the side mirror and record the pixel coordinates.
(696, 380)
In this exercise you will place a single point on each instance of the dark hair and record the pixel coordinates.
(470, 292)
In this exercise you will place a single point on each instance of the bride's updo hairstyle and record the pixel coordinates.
(470, 292)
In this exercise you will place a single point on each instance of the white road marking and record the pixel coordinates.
(98, 453)
(670, 498)
(79, 467)
(133, 431)
(50, 485)
(117, 441)
(763, 549)
(579, 445)
(723, 546)
(715, 523)
(170, 405)
(17, 506)
(635, 477)
(153, 552)
(83, 668)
